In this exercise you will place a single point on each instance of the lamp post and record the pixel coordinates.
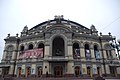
(103, 59)
(115, 45)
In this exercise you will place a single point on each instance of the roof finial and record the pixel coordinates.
(58, 16)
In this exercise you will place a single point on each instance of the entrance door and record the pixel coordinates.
(39, 71)
(28, 71)
(98, 70)
(113, 71)
(58, 71)
(77, 71)
(5, 71)
(19, 71)
(89, 71)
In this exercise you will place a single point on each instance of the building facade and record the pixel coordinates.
(58, 48)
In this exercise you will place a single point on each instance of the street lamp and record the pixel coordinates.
(115, 45)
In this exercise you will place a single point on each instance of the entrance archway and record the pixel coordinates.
(39, 71)
(89, 71)
(58, 47)
(58, 71)
(5, 71)
(113, 71)
(28, 71)
(19, 71)
(98, 71)
(77, 71)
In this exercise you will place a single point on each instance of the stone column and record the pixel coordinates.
(84, 70)
(33, 70)
(82, 54)
(107, 70)
(18, 53)
(4, 55)
(11, 69)
(92, 54)
(70, 69)
(23, 71)
(70, 51)
(46, 51)
(104, 54)
(13, 55)
(45, 68)
(16, 72)
(94, 70)
(102, 68)
(0, 72)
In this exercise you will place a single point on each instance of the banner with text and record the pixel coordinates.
(34, 53)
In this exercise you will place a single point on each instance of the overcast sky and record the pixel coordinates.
(15, 14)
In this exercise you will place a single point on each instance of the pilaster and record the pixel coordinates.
(13, 55)
(33, 70)
(46, 52)
(70, 69)
(82, 54)
(92, 53)
(104, 54)
(45, 68)
(23, 71)
(4, 54)
(94, 70)
(11, 70)
(70, 52)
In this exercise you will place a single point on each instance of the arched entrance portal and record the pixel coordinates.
(58, 47)
(58, 71)
(77, 71)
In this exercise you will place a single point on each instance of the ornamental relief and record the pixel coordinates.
(58, 31)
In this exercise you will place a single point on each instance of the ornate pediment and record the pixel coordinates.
(58, 29)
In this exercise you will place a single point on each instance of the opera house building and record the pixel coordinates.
(59, 48)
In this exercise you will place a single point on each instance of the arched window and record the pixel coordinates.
(76, 51)
(108, 51)
(96, 52)
(9, 52)
(58, 47)
(41, 46)
(30, 46)
(87, 52)
(22, 48)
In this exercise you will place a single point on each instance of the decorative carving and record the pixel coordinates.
(58, 18)
(58, 31)
(25, 29)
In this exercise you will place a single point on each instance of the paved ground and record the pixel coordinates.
(49, 79)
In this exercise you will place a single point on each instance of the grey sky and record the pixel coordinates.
(15, 14)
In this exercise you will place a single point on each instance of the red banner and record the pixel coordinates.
(34, 53)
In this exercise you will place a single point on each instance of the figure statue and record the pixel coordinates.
(58, 52)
